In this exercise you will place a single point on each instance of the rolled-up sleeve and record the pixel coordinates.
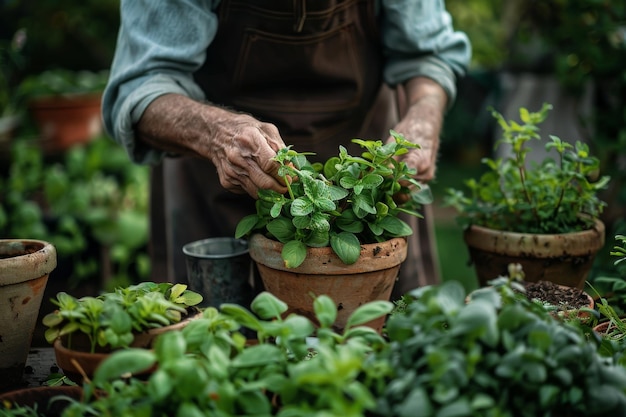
(419, 40)
(160, 45)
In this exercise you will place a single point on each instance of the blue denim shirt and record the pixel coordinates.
(417, 37)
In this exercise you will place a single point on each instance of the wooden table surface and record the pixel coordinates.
(40, 364)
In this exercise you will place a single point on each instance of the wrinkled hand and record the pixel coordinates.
(424, 159)
(242, 150)
(422, 125)
(240, 147)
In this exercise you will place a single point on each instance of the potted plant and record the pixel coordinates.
(209, 368)
(543, 216)
(25, 265)
(65, 105)
(499, 354)
(560, 300)
(337, 231)
(87, 329)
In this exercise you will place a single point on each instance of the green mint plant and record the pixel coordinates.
(112, 319)
(345, 202)
(554, 196)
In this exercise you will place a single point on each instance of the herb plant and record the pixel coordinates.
(111, 319)
(209, 369)
(554, 196)
(494, 354)
(345, 202)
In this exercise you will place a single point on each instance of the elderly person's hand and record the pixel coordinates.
(422, 125)
(240, 146)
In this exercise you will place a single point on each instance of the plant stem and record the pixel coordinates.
(521, 165)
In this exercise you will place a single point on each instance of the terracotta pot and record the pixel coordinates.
(564, 259)
(67, 120)
(146, 339)
(371, 278)
(24, 269)
(75, 363)
(41, 396)
(603, 330)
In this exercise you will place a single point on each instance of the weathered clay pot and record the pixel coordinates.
(76, 363)
(24, 269)
(371, 278)
(564, 259)
(66, 121)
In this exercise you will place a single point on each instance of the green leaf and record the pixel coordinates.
(317, 239)
(282, 229)
(160, 385)
(125, 361)
(189, 409)
(325, 310)
(301, 206)
(240, 314)
(368, 312)
(245, 225)
(365, 203)
(325, 204)
(255, 403)
(268, 306)
(337, 193)
(371, 181)
(294, 253)
(348, 222)
(348, 182)
(395, 226)
(170, 346)
(346, 246)
(258, 355)
(416, 404)
(301, 222)
(458, 408)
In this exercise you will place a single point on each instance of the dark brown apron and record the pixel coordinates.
(314, 69)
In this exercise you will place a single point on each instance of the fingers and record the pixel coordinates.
(244, 160)
(424, 162)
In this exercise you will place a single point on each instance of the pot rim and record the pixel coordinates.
(541, 245)
(373, 257)
(41, 261)
(188, 249)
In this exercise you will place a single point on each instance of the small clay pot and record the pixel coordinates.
(76, 363)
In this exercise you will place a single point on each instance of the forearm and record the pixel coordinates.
(426, 102)
(240, 147)
(421, 123)
(177, 124)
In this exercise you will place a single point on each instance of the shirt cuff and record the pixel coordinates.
(399, 71)
(136, 103)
